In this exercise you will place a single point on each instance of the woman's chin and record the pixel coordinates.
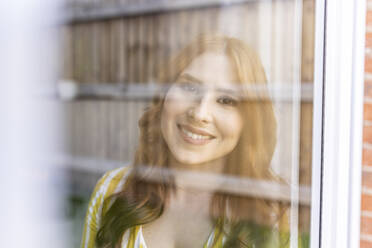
(195, 162)
(185, 161)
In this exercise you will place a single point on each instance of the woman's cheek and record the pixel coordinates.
(180, 101)
(231, 124)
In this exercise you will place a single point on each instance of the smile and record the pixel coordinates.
(195, 136)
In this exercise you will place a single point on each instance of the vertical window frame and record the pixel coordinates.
(337, 123)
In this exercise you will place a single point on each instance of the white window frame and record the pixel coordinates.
(337, 123)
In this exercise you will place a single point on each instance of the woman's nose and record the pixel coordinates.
(201, 110)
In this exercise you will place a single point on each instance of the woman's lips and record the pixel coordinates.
(194, 136)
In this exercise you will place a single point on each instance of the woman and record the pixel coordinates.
(210, 120)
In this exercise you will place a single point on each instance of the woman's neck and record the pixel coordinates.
(194, 178)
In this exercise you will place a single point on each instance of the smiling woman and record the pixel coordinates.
(208, 122)
(200, 122)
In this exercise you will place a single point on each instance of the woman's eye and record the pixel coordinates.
(227, 101)
(190, 87)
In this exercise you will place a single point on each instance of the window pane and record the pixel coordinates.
(199, 116)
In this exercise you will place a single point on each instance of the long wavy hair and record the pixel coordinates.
(142, 201)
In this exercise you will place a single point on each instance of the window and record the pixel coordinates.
(113, 53)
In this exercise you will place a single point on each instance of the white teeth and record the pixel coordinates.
(194, 135)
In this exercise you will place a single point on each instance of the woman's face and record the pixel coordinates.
(201, 120)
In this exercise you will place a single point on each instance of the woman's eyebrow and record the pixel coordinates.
(234, 91)
(190, 78)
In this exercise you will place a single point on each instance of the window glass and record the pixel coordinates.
(188, 123)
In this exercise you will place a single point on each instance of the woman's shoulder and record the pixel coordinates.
(112, 181)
